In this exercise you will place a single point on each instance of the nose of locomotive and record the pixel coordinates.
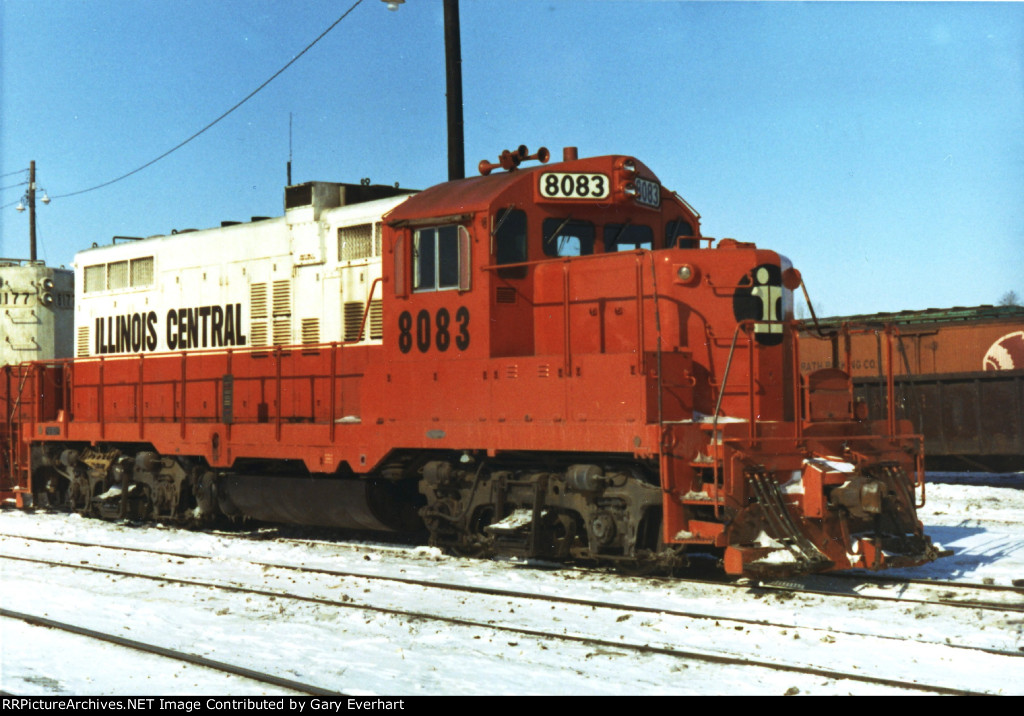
(828, 515)
(877, 515)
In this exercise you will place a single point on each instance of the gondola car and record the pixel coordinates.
(959, 379)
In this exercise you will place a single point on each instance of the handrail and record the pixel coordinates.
(230, 371)
(172, 379)
(566, 321)
(141, 398)
(366, 309)
(888, 368)
(718, 406)
(890, 385)
(657, 328)
(582, 257)
(184, 393)
(100, 402)
(596, 255)
(334, 389)
(567, 304)
(641, 335)
(797, 396)
(277, 397)
(16, 447)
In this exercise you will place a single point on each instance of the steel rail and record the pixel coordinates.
(645, 648)
(882, 581)
(182, 656)
(693, 654)
(765, 587)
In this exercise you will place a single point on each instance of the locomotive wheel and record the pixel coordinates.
(55, 491)
(663, 562)
(475, 542)
(657, 557)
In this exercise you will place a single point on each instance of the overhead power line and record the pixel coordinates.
(211, 124)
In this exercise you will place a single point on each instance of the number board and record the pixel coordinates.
(421, 330)
(648, 192)
(571, 185)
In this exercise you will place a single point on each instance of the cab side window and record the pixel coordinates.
(627, 237)
(678, 233)
(440, 258)
(510, 241)
(565, 237)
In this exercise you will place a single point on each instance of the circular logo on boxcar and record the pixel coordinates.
(1007, 353)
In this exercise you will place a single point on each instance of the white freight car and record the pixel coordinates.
(304, 278)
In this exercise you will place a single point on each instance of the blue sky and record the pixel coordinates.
(880, 146)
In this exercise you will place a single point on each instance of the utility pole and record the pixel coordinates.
(30, 199)
(453, 75)
(453, 81)
(32, 210)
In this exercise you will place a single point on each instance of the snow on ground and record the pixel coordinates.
(981, 518)
(375, 653)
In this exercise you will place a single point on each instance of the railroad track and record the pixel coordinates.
(604, 619)
(1001, 598)
(173, 654)
(991, 597)
(914, 591)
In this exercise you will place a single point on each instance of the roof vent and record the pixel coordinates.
(305, 202)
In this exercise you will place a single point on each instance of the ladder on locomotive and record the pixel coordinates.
(14, 458)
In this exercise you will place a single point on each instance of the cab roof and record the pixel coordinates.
(474, 194)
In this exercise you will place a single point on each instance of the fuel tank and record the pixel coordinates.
(344, 503)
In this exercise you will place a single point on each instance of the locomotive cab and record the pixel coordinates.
(476, 246)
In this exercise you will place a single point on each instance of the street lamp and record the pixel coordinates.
(453, 78)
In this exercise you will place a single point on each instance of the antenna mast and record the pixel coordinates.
(289, 149)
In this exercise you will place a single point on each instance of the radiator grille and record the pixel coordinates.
(83, 342)
(117, 274)
(376, 320)
(258, 334)
(95, 278)
(282, 298)
(355, 242)
(142, 271)
(353, 319)
(282, 331)
(310, 331)
(505, 294)
(258, 300)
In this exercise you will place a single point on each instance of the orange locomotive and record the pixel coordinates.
(568, 370)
